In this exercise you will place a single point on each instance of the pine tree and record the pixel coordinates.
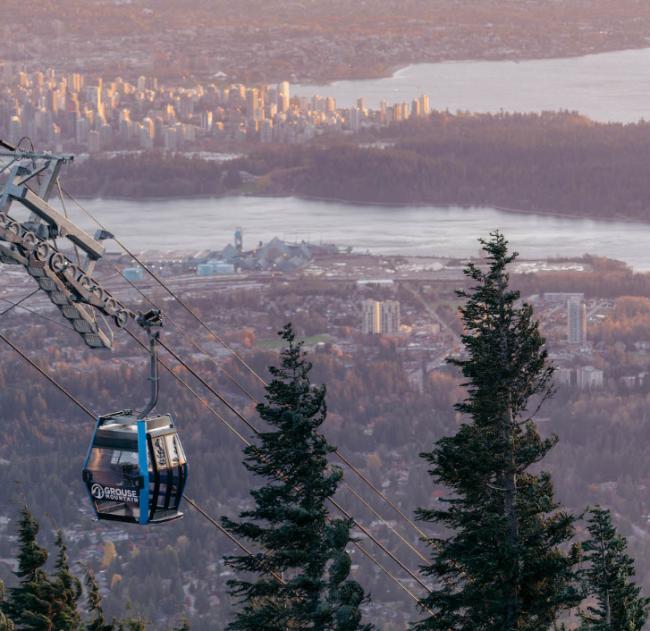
(94, 605)
(301, 566)
(608, 578)
(67, 591)
(5, 623)
(503, 566)
(30, 605)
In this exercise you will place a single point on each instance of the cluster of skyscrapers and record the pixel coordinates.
(81, 113)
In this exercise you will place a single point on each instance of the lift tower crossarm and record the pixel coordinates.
(32, 244)
(63, 227)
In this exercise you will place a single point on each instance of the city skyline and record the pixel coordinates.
(84, 113)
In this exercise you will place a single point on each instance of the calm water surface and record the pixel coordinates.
(606, 87)
(191, 225)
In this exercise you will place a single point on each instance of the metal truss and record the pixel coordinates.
(30, 180)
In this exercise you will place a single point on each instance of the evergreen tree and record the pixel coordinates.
(30, 605)
(608, 578)
(5, 623)
(301, 567)
(67, 591)
(503, 566)
(94, 605)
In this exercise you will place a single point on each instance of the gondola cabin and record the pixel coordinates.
(136, 469)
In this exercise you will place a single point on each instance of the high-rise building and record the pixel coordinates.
(284, 96)
(576, 321)
(354, 119)
(379, 317)
(390, 317)
(425, 109)
(252, 104)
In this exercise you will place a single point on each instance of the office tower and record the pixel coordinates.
(75, 82)
(354, 119)
(577, 321)
(186, 107)
(361, 103)
(415, 109)
(330, 105)
(390, 317)
(284, 96)
(380, 317)
(252, 104)
(370, 317)
(425, 108)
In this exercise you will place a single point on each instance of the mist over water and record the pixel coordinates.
(197, 224)
(606, 87)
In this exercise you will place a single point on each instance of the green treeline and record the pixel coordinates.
(555, 162)
(52, 602)
(150, 175)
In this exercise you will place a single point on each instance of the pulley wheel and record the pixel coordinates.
(58, 262)
(121, 318)
(42, 252)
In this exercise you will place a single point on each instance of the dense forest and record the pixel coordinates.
(556, 163)
(550, 163)
(144, 175)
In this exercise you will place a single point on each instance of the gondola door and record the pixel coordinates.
(167, 475)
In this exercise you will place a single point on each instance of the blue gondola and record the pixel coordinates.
(136, 469)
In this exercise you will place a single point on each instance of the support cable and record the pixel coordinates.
(216, 337)
(254, 429)
(19, 302)
(192, 502)
(91, 415)
(247, 442)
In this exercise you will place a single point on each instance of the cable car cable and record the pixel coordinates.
(341, 457)
(241, 359)
(228, 534)
(91, 415)
(179, 327)
(53, 381)
(19, 302)
(256, 431)
(378, 543)
(168, 290)
(192, 372)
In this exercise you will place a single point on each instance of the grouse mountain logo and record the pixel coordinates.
(97, 491)
(113, 494)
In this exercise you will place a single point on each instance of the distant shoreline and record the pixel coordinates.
(393, 69)
(395, 205)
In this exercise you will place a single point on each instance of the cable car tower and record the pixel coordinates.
(135, 469)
